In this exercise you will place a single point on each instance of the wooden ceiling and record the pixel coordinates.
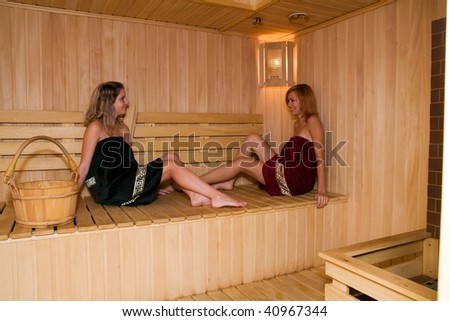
(257, 18)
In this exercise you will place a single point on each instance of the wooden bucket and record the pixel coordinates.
(43, 203)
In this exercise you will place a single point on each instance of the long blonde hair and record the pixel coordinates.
(101, 105)
(307, 99)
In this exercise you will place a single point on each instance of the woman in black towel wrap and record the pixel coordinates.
(110, 171)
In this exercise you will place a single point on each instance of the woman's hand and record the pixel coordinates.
(165, 191)
(322, 200)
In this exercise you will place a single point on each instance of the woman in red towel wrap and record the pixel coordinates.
(301, 161)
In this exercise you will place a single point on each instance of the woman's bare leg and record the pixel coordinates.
(225, 176)
(198, 191)
(255, 144)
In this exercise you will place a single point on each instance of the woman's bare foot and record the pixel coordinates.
(224, 200)
(199, 200)
(228, 185)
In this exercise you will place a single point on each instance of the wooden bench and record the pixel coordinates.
(397, 267)
(160, 251)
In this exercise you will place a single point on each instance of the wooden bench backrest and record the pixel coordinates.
(17, 126)
(197, 137)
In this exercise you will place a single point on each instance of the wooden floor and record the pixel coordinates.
(307, 285)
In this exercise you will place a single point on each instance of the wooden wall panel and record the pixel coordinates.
(167, 261)
(53, 61)
(371, 75)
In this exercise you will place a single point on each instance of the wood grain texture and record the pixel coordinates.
(372, 77)
(371, 74)
(107, 259)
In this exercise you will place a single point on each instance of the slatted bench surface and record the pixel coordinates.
(201, 139)
(165, 210)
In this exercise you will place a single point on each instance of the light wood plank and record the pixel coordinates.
(154, 214)
(66, 228)
(272, 292)
(253, 292)
(254, 190)
(7, 219)
(407, 269)
(24, 253)
(198, 118)
(194, 158)
(181, 143)
(180, 201)
(119, 216)
(253, 205)
(40, 148)
(164, 205)
(20, 232)
(44, 231)
(271, 202)
(332, 293)
(206, 211)
(99, 215)
(37, 164)
(137, 216)
(202, 297)
(393, 252)
(314, 285)
(170, 131)
(235, 294)
(41, 117)
(295, 292)
(83, 217)
(25, 132)
(381, 243)
(218, 296)
(431, 257)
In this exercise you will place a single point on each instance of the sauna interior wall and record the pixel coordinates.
(371, 74)
(374, 72)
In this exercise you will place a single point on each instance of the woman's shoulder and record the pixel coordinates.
(314, 118)
(314, 121)
(95, 124)
(95, 130)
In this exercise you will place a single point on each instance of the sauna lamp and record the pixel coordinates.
(276, 64)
